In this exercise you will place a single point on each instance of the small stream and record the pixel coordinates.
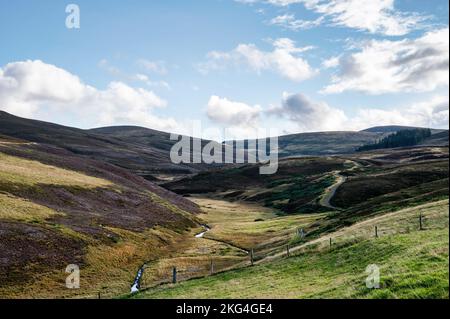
(206, 229)
(137, 280)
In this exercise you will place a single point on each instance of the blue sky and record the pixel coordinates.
(296, 65)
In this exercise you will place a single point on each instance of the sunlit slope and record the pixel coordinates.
(412, 263)
(58, 209)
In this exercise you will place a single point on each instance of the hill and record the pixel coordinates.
(340, 142)
(148, 157)
(411, 263)
(300, 182)
(146, 152)
(57, 208)
(392, 129)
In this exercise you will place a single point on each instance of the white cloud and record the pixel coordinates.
(284, 59)
(232, 113)
(145, 79)
(432, 113)
(309, 116)
(288, 21)
(37, 89)
(331, 62)
(374, 16)
(395, 66)
(158, 67)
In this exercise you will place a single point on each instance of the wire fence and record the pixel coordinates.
(187, 268)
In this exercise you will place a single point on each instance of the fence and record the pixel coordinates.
(390, 224)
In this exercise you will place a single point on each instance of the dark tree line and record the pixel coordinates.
(399, 139)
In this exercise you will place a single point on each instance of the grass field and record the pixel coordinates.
(249, 225)
(413, 264)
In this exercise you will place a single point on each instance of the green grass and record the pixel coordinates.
(413, 264)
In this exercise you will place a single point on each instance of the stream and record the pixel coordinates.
(206, 229)
(137, 280)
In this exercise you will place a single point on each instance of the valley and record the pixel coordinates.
(223, 231)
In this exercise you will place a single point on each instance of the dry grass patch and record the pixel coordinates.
(16, 170)
(18, 209)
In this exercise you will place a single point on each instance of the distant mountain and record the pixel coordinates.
(396, 128)
(341, 142)
(142, 151)
(146, 152)
(324, 143)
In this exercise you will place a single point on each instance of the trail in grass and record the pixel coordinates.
(329, 193)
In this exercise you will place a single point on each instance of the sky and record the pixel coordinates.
(242, 65)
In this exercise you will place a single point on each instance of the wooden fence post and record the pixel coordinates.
(251, 256)
(99, 295)
(376, 231)
(331, 243)
(421, 221)
(174, 275)
(212, 267)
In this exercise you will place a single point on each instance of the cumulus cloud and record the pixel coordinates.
(284, 59)
(309, 116)
(232, 113)
(383, 66)
(288, 21)
(431, 113)
(37, 89)
(331, 62)
(374, 16)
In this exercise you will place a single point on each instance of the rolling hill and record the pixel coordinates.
(57, 208)
(412, 264)
(147, 158)
(341, 142)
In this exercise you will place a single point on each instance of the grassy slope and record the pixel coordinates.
(293, 189)
(58, 209)
(413, 264)
(141, 158)
(249, 225)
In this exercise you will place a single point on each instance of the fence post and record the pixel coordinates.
(376, 231)
(212, 267)
(251, 256)
(331, 243)
(287, 249)
(174, 275)
(421, 221)
(99, 295)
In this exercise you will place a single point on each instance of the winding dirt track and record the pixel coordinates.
(329, 193)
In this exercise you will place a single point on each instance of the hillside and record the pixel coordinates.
(412, 264)
(335, 143)
(145, 152)
(57, 208)
(395, 128)
(148, 159)
(300, 182)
